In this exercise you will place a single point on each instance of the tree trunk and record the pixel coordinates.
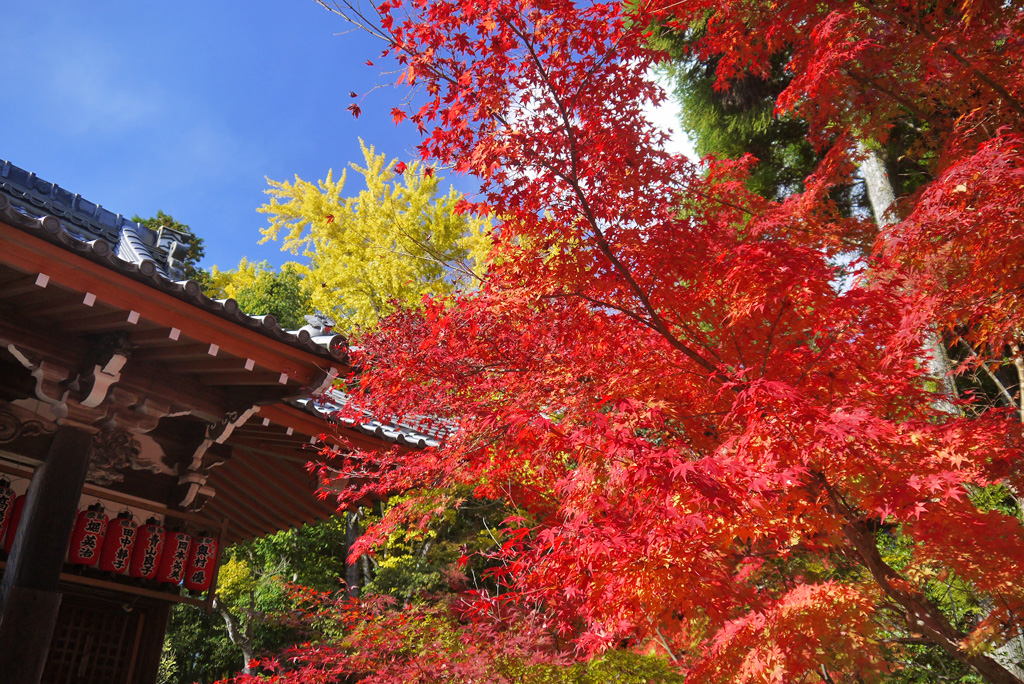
(922, 615)
(238, 636)
(883, 200)
(351, 569)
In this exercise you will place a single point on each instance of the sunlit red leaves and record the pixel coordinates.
(959, 243)
(671, 376)
(810, 630)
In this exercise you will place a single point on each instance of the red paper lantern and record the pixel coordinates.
(174, 557)
(12, 526)
(7, 497)
(202, 560)
(149, 543)
(87, 537)
(117, 545)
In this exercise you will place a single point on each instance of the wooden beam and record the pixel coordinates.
(28, 339)
(243, 525)
(208, 403)
(91, 490)
(286, 477)
(178, 352)
(240, 378)
(29, 253)
(24, 285)
(254, 445)
(74, 303)
(240, 502)
(155, 336)
(113, 321)
(226, 364)
(247, 479)
(310, 425)
(86, 581)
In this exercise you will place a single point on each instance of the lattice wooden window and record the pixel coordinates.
(95, 642)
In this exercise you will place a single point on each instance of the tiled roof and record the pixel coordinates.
(46, 210)
(152, 258)
(423, 431)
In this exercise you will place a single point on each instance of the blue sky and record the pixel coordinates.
(186, 106)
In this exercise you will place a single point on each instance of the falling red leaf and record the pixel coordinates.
(330, 218)
(352, 93)
(369, 63)
(354, 108)
(400, 167)
(428, 172)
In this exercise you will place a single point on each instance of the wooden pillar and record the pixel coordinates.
(29, 599)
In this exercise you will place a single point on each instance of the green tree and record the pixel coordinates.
(196, 248)
(261, 290)
(741, 119)
(253, 602)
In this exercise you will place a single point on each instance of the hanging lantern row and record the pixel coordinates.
(87, 537)
(149, 544)
(201, 559)
(147, 552)
(7, 500)
(174, 558)
(11, 506)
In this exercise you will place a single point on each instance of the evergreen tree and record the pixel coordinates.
(196, 247)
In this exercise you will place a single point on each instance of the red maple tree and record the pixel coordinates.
(708, 422)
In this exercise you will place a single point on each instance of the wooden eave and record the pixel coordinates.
(118, 294)
(53, 301)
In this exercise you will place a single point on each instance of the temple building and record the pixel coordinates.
(184, 425)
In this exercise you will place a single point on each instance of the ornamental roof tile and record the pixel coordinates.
(48, 211)
(412, 431)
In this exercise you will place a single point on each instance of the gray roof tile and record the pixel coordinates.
(51, 213)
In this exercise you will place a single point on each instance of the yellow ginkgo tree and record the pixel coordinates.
(391, 244)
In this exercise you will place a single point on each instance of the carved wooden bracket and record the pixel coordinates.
(112, 451)
(49, 379)
(15, 424)
(107, 356)
(195, 475)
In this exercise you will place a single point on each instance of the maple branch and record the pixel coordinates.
(917, 23)
(873, 83)
(1018, 363)
(664, 644)
(921, 614)
(363, 22)
(771, 335)
(1003, 393)
(987, 80)
(629, 313)
(657, 323)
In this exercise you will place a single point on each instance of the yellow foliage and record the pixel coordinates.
(234, 580)
(396, 241)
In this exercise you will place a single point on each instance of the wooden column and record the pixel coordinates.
(29, 599)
